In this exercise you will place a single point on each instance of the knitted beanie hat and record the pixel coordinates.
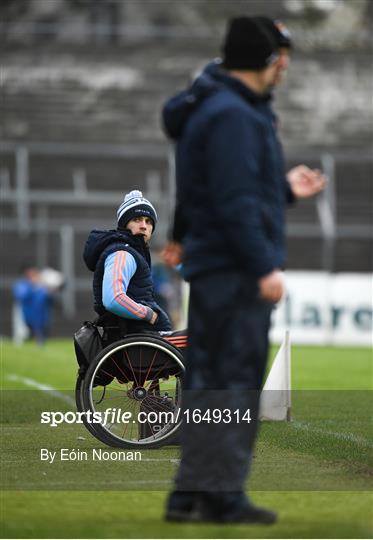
(248, 45)
(135, 205)
(277, 29)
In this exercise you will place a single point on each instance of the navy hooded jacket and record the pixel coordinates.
(99, 245)
(230, 176)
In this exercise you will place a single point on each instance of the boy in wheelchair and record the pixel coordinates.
(137, 362)
(122, 282)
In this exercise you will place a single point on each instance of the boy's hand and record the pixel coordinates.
(154, 317)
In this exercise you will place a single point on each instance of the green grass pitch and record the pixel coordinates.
(316, 471)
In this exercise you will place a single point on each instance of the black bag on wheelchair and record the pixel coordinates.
(88, 344)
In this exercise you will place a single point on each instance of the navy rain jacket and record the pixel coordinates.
(230, 176)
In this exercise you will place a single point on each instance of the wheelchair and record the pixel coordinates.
(134, 384)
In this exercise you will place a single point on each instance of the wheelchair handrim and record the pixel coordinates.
(166, 431)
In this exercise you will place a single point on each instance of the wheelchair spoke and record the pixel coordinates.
(151, 429)
(134, 426)
(113, 397)
(155, 375)
(133, 373)
(140, 381)
(111, 375)
(151, 365)
(121, 370)
(121, 389)
(153, 386)
(127, 423)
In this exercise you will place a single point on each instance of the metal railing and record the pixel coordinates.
(24, 199)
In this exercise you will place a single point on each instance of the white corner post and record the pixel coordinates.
(275, 401)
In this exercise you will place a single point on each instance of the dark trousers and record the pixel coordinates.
(225, 365)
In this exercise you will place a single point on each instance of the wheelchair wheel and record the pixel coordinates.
(135, 386)
(78, 394)
(80, 405)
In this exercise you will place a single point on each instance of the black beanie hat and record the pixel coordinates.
(248, 45)
(277, 29)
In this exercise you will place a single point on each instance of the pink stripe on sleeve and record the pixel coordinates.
(119, 294)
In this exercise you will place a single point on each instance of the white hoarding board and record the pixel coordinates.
(326, 308)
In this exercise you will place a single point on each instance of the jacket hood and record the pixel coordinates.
(98, 241)
(177, 109)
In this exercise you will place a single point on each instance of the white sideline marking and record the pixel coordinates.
(39, 386)
(170, 460)
(336, 434)
(143, 459)
(68, 484)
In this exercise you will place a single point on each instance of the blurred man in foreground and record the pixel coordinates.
(303, 181)
(231, 193)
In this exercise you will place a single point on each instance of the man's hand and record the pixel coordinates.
(306, 182)
(172, 255)
(154, 317)
(272, 286)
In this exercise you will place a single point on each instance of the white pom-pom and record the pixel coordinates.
(135, 194)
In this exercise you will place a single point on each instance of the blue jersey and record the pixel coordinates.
(35, 303)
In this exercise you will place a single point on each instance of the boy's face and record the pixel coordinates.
(141, 225)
